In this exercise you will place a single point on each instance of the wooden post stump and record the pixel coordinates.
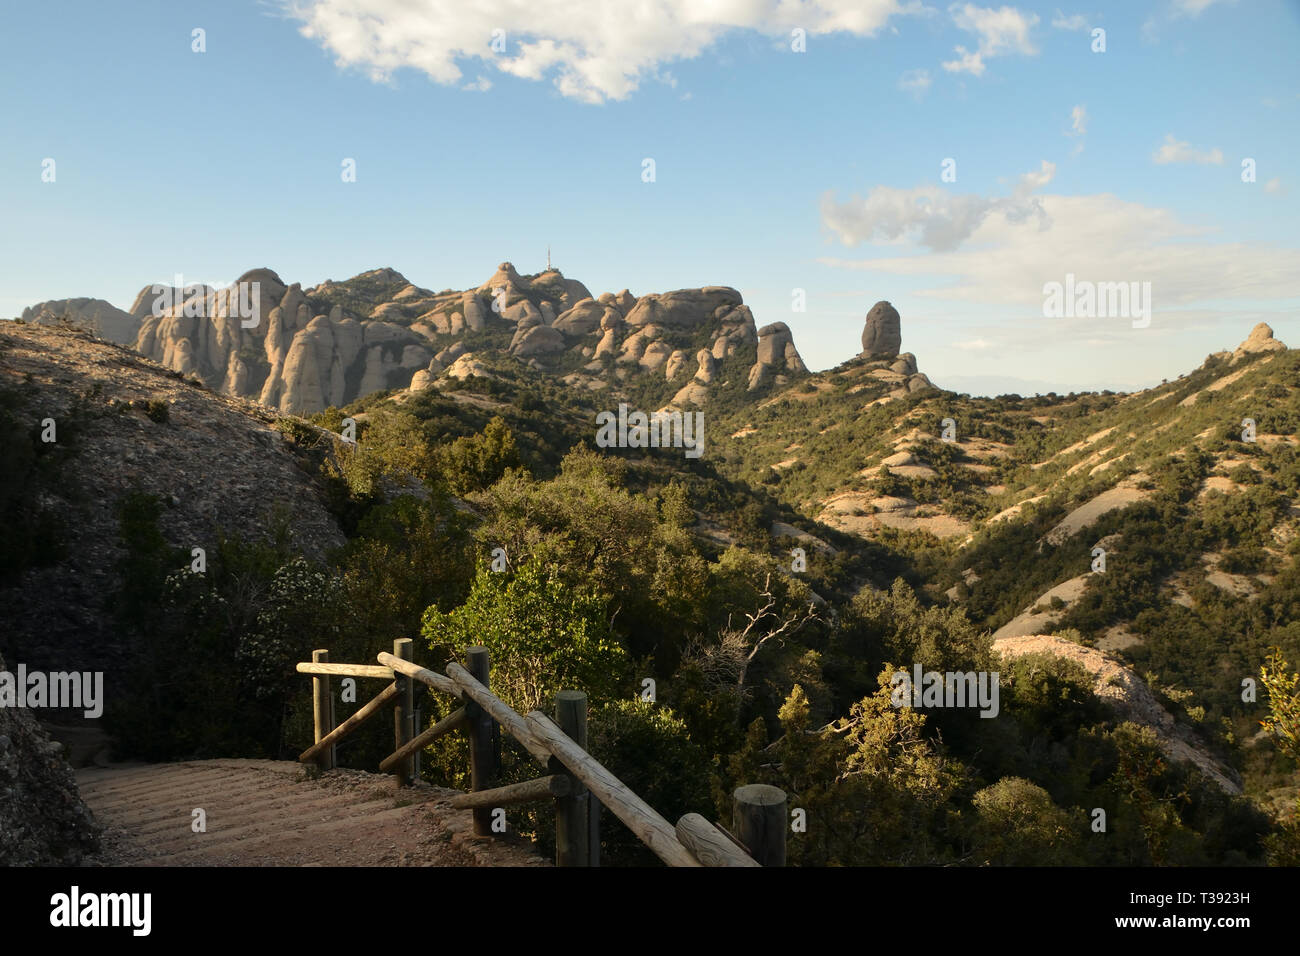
(404, 715)
(483, 755)
(571, 825)
(760, 821)
(322, 709)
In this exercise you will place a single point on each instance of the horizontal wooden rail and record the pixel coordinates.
(449, 723)
(347, 670)
(351, 724)
(710, 845)
(652, 829)
(501, 712)
(572, 774)
(543, 788)
(422, 674)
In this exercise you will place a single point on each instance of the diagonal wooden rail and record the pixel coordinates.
(572, 778)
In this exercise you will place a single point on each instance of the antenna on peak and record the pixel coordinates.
(548, 257)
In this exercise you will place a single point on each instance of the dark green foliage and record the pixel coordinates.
(33, 530)
(638, 741)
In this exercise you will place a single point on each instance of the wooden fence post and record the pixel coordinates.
(322, 709)
(593, 830)
(404, 715)
(483, 756)
(571, 826)
(760, 821)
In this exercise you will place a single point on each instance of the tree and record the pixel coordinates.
(728, 659)
(475, 462)
(1283, 725)
(543, 636)
(1017, 824)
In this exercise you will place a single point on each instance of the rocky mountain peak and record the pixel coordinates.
(305, 350)
(1260, 340)
(882, 335)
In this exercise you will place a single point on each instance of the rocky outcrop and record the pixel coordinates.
(301, 350)
(684, 308)
(536, 340)
(295, 352)
(94, 315)
(882, 336)
(777, 357)
(584, 318)
(42, 819)
(1260, 340)
(1131, 697)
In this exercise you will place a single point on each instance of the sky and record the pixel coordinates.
(817, 155)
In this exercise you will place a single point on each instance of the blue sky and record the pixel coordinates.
(775, 170)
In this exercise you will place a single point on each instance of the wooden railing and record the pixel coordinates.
(570, 777)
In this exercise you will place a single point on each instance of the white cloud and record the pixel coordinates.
(1001, 31)
(1190, 8)
(1102, 238)
(481, 85)
(915, 82)
(1078, 121)
(930, 215)
(1076, 21)
(1275, 187)
(1176, 151)
(592, 50)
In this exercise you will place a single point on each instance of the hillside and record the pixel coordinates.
(124, 430)
(830, 532)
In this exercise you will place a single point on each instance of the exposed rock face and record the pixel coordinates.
(905, 364)
(42, 818)
(1122, 689)
(776, 354)
(218, 466)
(583, 319)
(299, 356)
(1260, 340)
(883, 335)
(303, 350)
(94, 315)
(537, 340)
(684, 307)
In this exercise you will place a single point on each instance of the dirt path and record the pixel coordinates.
(269, 813)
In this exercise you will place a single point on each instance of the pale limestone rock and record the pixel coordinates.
(538, 340)
(655, 355)
(102, 318)
(675, 363)
(521, 311)
(693, 392)
(608, 344)
(583, 319)
(683, 308)
(1260, 340)
(905, 364)
(708, 369)
(475, 312)
(452, 352)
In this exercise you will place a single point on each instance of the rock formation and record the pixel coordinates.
(94, 315)
(776, 355)
(301, 350)
(1260, 340)
(42, 818)
(882, 335)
